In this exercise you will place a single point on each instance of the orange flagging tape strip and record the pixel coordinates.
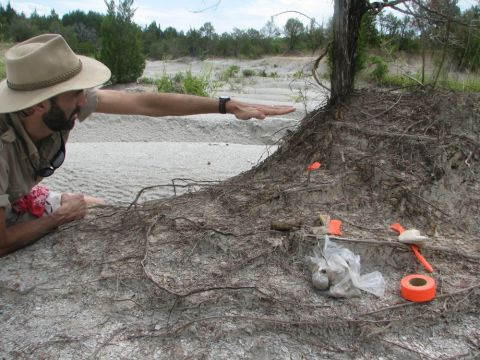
(397, 227)
(417, 288)
(334, 227)
(421, 259)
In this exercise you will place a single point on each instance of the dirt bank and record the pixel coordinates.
(203, 275)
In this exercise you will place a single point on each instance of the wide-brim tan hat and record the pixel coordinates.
(45, 66)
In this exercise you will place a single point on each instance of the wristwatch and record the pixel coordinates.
(222, 102)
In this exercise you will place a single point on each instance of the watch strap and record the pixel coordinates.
(222, 102)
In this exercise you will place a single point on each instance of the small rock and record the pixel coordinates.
(320, 280)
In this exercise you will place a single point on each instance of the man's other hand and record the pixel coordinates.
(73, 207)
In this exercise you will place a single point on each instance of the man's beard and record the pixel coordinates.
(56, 120)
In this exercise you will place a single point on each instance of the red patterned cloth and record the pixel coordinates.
(32, 203)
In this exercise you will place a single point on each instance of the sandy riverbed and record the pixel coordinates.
(114, 157)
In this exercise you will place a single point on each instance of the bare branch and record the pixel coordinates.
(212, 7)
(379, 6)
(317, 63)
(440, 17)
(297, 12)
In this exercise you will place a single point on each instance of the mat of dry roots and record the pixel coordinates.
(203, 275)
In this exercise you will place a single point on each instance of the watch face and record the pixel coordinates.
(225, 97)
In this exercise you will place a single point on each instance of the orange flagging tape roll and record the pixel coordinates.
(417, 288)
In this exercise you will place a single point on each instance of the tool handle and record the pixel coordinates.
(421, 259)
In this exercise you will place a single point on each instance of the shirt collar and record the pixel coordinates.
(30, 147)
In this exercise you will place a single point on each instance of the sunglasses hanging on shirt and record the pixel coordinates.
(57, 159)
(55, 163)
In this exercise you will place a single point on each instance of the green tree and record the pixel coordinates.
(193, 42)
(466, 42)
(122, 49)
(294, 30)
(151, 36)
(225, 45)
(271, 37)
(368, 30)
(315, 36)
(21, 29)
(7, 17)
(270, 30)
(91, 20)
(208, 38)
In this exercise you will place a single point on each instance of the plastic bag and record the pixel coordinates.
(337, 269)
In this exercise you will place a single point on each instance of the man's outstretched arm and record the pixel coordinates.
(22, 234)
(162, 104)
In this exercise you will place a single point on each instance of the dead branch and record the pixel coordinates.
(279, 322)
(361, 241)
(316, 64)
(387, 110)
(427, 202)
(352, 126)
(106, 342)
(406, 348)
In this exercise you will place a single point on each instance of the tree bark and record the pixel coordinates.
(347, 17)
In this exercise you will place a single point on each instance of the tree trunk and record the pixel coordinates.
(347, 17)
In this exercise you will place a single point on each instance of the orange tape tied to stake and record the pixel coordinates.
(334, 227)
(399, 229)
(313, 166)
(417, 288)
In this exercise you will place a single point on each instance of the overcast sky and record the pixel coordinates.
(186, 14)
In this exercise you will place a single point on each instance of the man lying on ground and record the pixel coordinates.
(48, 87)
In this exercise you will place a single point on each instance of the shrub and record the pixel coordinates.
(470, 85)
(2, 70)
(184, 83)
(147, 81)
(262, 73)
(380, 71)
(166, 85)
(398, 81)
(195, 85)
(248, 72)
(300, 74)
(231, 71)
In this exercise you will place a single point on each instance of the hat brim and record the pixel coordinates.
(93, 73)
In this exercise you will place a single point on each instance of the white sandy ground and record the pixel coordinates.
(114, 157)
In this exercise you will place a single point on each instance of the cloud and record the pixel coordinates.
(256, 13)
(230, 14)
(86, 5)
(29, 7)
(61, 7)
(179, 18)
